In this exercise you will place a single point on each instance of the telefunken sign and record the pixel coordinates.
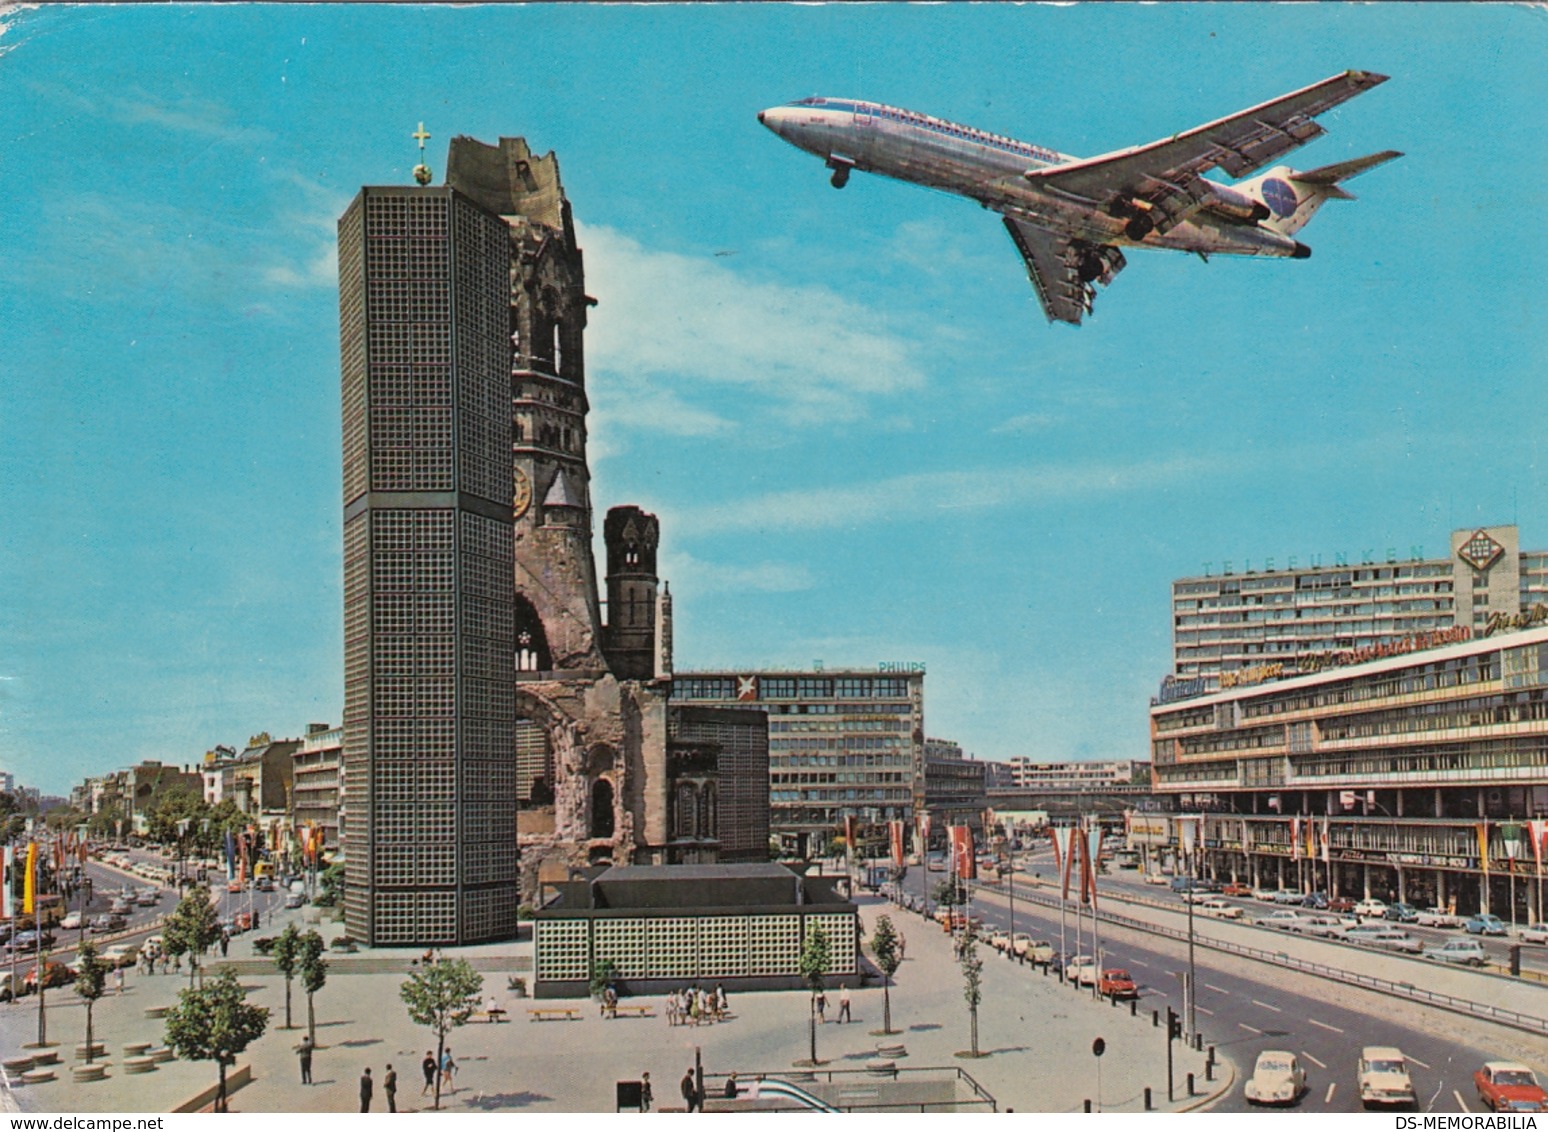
(1228, 566)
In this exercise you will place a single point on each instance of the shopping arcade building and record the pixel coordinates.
(1419, 775)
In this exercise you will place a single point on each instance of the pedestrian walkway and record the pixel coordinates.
(1037, 1035)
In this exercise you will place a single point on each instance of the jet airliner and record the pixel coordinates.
(1071, 217)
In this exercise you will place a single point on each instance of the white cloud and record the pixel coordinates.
(898, 499)
(694, 328)
(690, 575)
(188, 115)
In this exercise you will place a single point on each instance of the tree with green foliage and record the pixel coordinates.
(215, 1023)
(314, 976)
(947, 893)
(972, 980)
(813, 963)
(105, 822)
(164, 821)
(888, 954)
(90, 982)
(330, 886)
(286, 953)
(192, 928)
(441, 995)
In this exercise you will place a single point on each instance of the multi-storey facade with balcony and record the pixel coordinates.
(1420, 775)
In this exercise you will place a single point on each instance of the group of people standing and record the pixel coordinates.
(694, 1006)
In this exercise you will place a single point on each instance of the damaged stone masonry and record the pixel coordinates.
(600, 767)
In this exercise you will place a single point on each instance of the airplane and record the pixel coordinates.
(1071, 217)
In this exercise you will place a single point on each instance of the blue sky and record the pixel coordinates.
(862, 438)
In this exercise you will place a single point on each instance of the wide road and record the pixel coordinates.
(1242, 1016)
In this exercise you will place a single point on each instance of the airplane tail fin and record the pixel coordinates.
(1293, 198)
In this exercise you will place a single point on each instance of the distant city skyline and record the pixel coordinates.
(862, 439)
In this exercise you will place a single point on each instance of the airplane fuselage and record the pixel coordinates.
(991, 169)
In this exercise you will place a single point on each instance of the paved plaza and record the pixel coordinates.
(1037, 1035)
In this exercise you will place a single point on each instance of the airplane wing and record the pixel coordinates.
(1244, 142)
(1062, 269)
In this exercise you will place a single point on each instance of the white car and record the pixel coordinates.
(1384, 1077)
(71, 923)
(1439, 918)
(1468, 951)
(1535, 933)
(1278, 1078)
(1222, 908)
(1036, 950)
(1281, 919)
(1376, 908)
(1154, 878)
(1082, 971)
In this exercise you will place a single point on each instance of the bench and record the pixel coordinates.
(553, 1013)
(498, 1014)
(634, 1011)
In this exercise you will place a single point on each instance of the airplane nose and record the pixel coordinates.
(760, 117)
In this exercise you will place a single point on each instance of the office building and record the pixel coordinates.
(1028, 774)
(955, 787)
(842, 743)
(1420, 775)
(1247, 621)
(317, 795)
(429, 593)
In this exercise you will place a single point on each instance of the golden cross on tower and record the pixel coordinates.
(421, 171)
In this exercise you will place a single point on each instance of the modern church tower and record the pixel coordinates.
(429, 595)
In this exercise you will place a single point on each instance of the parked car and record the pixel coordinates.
(1036, 950)
(1438, 918)
(1281, 919)
(1402, 913)
(1322, 924)
(31, 941)
(1215, 906)
(1235, 889)
(1000, 941)
(1154, 878)
(1506, 1086)
(1288, 896)
(1362, 932)
(1468, 951)
(1342, 905)
(121, 954)
(1485, 924)
(1384, 1077)
(295, 900)
(54, 975)
(1263, 894)
(1371, 907)
(1315, 900)
(1535, 933)
(1277, 1078)
(1116, 983)
(1081, 970)
(6, 991)
(1395, 939)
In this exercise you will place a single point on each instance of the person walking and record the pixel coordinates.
(365, 1090)
(690, 1092)
(390, 1088)
(304, 1052)
(646, 1093)
(671, 1008)
(448, 1071)
(118, 979)
(843, 1014)
(427, 1066)
(225, 942)
(820, 1001)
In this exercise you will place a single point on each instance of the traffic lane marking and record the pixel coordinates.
(1267, 1006)
(1419, 1063)
(1329, 1098)
(1313, 1060)
(1217, 990)
(1251, 1029)
(1205, 1010)
(1324, 1025)
(1462, 1104)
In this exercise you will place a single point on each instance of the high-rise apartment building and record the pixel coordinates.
(1238, 625)
(429, 588)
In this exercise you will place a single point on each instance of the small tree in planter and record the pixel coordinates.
(215, 1023)
(813, 963)
(314, 976)
(286, 952)
(884, 946)
(442, 996)
(603, 972)
(972, 982)
(90, 982)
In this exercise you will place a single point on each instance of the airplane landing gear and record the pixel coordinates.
(840, 177)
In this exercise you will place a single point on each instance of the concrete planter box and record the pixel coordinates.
(45, 1057)
(37, 1076)
(16, 1066)
(136, 1049)
(88, 1072)
(97, 1049)
(160, 1054)
(139, 1065)
(156, 1011)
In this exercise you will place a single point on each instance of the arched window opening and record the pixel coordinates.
(602, 808)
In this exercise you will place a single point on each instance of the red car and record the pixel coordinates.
(56, 975)
(1506, 1086)
(1236, 890)
(1115, 983)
